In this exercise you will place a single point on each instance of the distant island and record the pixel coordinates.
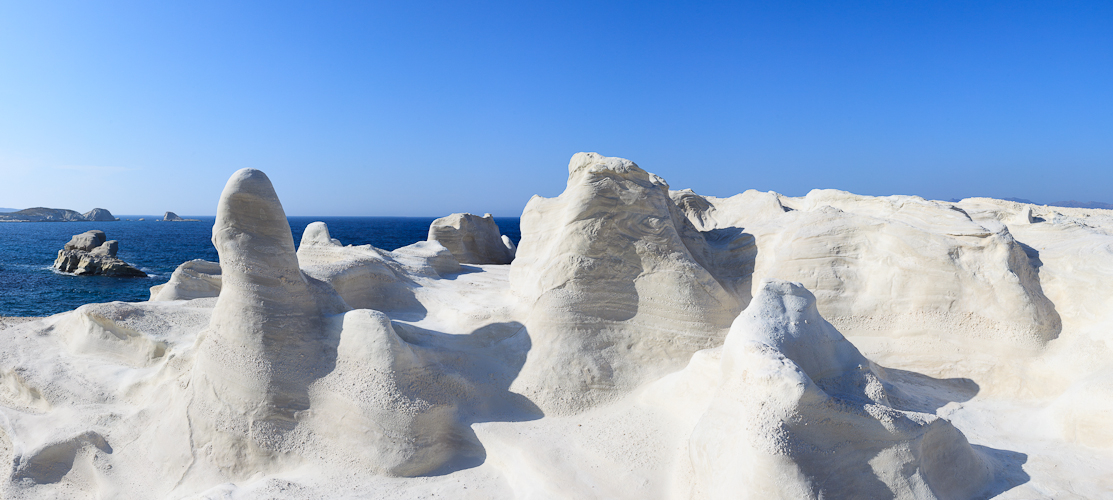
(41, 214)
(173, 217)
(1064, 204)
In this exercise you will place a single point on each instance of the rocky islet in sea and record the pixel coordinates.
(92, 254)
(41, 214)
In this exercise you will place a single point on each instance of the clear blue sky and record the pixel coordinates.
(427, 108)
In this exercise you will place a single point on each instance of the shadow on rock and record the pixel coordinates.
(1010, 471)
(487, 360)
(918, 392)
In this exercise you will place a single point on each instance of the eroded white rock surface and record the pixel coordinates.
(617, 287)
(472, 239)
(645, 343)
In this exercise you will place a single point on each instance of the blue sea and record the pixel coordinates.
(29, 287)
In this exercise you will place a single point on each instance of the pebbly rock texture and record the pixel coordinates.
(40, 214)
(173, 217)
(89, 254)
(472, 239)
(619, 287)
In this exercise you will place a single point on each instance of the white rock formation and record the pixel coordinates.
(195, 279)
(816, 420)
(617, 285)
(975, 364)
(368, 277)
(472, 239)
(911, 270)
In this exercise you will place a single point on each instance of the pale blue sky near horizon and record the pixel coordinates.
(427, 108)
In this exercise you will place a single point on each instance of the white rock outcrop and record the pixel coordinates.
(472, 239)
(617, 286)
(196, 279)
(644, 344)
(816, 420)
(900, 267)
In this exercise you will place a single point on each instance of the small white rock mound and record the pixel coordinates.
(800, 413)
(618, 286)
(195, 279)
(368, 277)
(472, 239)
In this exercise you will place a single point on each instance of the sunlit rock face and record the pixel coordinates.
(899, 268)
(800, 413)
(643, 344)
(610, 273)
(266, 342)
(472, 239)
(195, 279)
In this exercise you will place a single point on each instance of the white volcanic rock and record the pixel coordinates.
(610, 273)
(195, 279)
(800, 413)
(266, 341)
(368, 277)
(253, 378)
(472, 239)
(899, 267)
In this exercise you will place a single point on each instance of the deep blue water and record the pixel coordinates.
(28, 286)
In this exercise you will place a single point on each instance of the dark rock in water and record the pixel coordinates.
(91, 254)
(173, 217)
(40, 214)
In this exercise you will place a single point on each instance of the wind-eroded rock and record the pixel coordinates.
(800, 413)
(618, 285)
(472, 239)
(285, 372)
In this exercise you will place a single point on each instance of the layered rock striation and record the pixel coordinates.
(617, 286)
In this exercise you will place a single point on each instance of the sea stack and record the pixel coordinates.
(92, 254)
(173, 217)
